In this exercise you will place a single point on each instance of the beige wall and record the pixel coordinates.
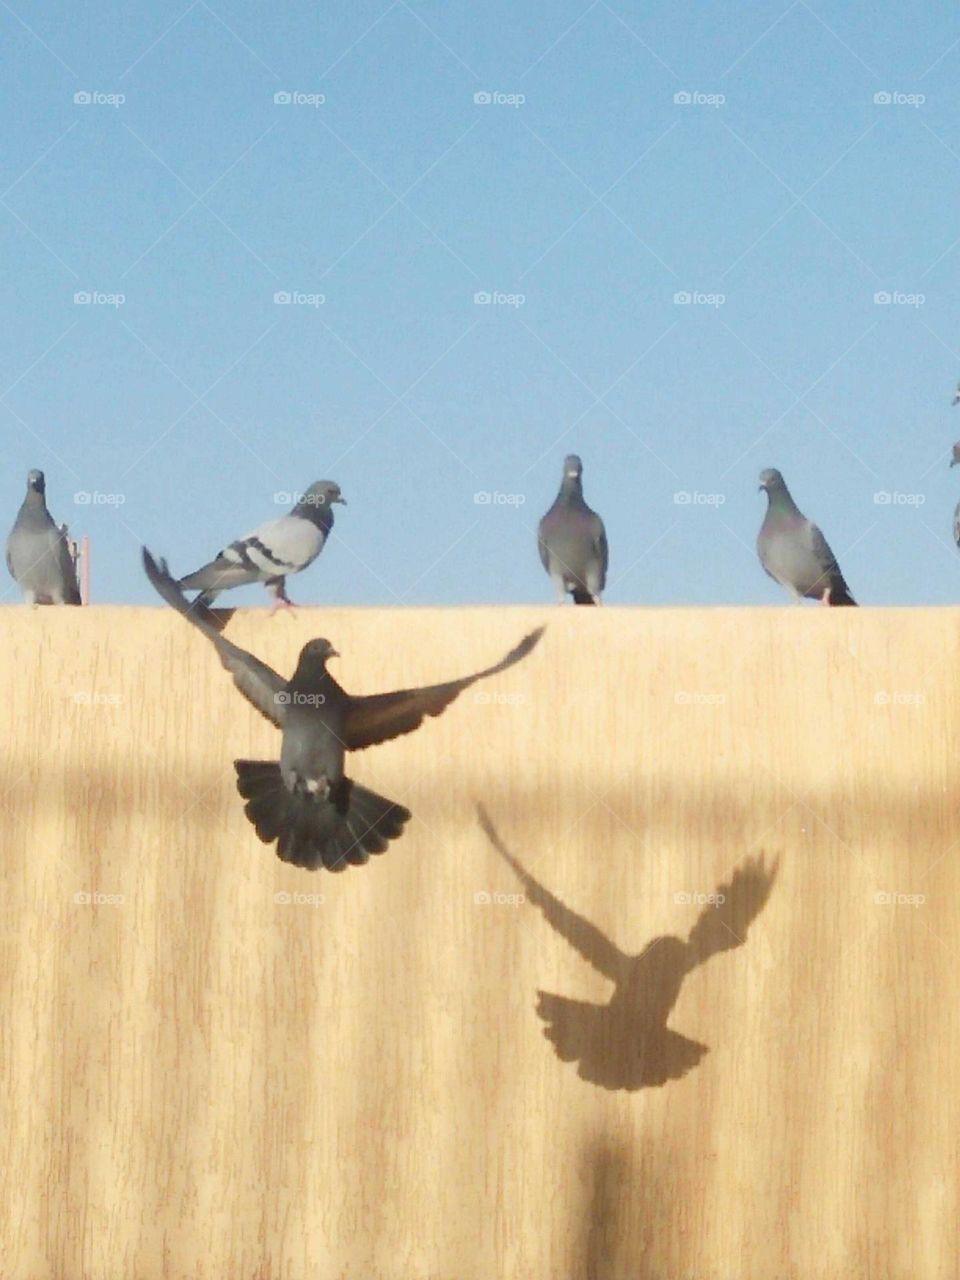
(201, 1081)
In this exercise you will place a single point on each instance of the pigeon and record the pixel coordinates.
(573, 542)
(318, 816)
(956, 511)
(273, 550)
(793, 551)
(956, 397)
(38, 553)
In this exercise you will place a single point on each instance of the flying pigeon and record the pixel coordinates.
(956, 397)
(793, 551)
(38, 554)
(304, 802)
(573, 542)
(273, 550)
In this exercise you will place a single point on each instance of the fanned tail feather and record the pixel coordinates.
(335, 831)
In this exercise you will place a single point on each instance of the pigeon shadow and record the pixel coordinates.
(626, 1043)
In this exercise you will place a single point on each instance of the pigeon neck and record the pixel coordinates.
(34, 501)
(318, 513)
(310, 672)
(780, 499)
(571, 489)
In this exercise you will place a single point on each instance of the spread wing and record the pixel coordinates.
(258, 683)
(723, 926)
(388, 715)
(585, 938)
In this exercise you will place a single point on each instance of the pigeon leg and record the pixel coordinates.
(596, 598)
(277, 588)
(560, 588)
(281, 602)
(825, 598)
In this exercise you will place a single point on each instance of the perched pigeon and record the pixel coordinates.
(273, 550)
(956, 511)
(38, 554)
(793, 551)
(318, 816)
(956, 396)
(573, 542)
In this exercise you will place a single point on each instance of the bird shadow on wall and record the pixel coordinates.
(626, 1043)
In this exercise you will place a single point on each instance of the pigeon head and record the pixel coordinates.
(317, 651)
(316, 504)
(771, 480)
(36, 482)
(572, 467)
(956, 454)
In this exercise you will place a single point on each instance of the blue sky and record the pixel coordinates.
(582, 197)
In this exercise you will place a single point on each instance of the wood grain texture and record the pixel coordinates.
(211, 1076)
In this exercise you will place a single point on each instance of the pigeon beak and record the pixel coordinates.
(333, 654)
(954, 461)
(343, 500)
